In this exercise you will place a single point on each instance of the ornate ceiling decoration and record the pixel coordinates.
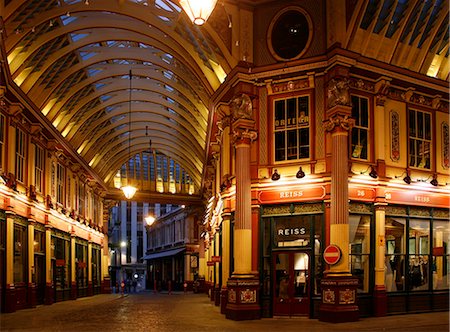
(73, 57)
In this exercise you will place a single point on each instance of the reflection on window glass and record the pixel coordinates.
(395, 254)
(419, 232)
(440, 264)
(359, 227)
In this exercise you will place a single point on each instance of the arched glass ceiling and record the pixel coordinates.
(73, 58)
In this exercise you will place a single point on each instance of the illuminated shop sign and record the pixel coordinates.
(283, 195)
(291, 231)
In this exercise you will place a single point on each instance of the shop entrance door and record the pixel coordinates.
(291, 283)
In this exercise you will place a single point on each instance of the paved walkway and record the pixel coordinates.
(187, 312)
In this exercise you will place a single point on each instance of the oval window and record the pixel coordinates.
(289, 34)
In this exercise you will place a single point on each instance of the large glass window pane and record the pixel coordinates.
(395, 229)
(419, 235)
(292, 144)
(359, 226)
(420, 139)
(289, 116)
(318, 267)
(280, 150)
(441, 263)
(20, 253)
(360, 113)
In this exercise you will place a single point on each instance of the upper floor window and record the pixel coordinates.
(360, 130)
(20, 155)
(60, 183)
(81, 199)
(38, 168)
(291, 128)
(2, 139)
(419, 139)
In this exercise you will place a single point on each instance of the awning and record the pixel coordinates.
(166, 253)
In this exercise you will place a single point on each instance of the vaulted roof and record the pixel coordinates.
(73, 59)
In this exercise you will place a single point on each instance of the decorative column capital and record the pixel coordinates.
(338, 123)
(244, 135)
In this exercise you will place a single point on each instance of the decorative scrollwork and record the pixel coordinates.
(338, 93)
(338, 121)
(242, 107)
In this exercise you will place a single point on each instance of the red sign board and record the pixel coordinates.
(60, 262)
(413, 197)
(438, 251)
(332, 254)
(361, 193)
(292, 195)
(82, 265)
(216, 259)
(210, 263)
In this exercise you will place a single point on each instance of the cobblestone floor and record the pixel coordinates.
(187, 312)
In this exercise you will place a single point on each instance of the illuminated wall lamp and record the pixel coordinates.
(434, 181)
(275, 175)
(373, 173)
(300, 174)
(406, 179)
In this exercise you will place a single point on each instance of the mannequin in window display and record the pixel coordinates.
(284, 283)
(300, 283)
(389, 279)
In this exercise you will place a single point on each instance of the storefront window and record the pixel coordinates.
(359, 226)
(20, 253)
(441, 263)
(395, 229)
(61, 263)
(96, 276)
(81, 267)
(419, 235)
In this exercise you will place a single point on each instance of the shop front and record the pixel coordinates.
(61, 266)
(291, 237)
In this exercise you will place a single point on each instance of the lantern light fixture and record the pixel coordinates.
(149, 220)
(129, 190)
(198, 10)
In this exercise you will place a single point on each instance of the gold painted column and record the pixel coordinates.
(380, 297)
(90, 289)
(73, 276)
(226, 216)
(10, 293)
(338, 286)
(243, 285)
(49, 252)
(31, 291)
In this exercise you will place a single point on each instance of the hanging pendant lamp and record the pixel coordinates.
(198, 10)
(129, 190)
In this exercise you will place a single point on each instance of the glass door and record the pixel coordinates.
(291, 284)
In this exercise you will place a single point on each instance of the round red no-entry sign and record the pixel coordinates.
(332, 254)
